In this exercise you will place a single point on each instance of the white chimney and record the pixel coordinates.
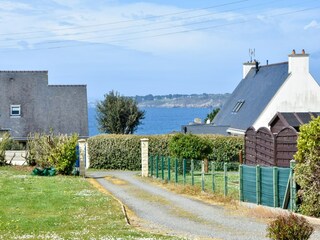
(246, 68)
(298, 63)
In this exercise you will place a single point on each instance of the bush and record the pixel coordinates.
(4, 143)
(308, 167)
(123, 151)
(57, 151)
(287, 227)
(189, 146)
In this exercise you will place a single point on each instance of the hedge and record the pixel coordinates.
(123, 152)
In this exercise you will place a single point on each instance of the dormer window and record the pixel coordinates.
(237, 107)
(15, 110)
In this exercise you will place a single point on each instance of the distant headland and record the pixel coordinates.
(182, 100)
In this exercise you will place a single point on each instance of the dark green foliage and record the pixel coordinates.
(118, 115)
(123, 151)
(288, 227)
(189, 146)
(307, 170)
(47, 151)
(212, 115)
(225, 149)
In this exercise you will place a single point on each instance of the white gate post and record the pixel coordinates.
(144, 157)
(82, 157)
(87, 156)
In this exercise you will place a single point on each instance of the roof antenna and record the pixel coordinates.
(252, 53)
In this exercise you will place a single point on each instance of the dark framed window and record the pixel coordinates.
(15, 110)
(238, 106)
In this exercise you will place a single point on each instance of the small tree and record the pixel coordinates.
(212, 115)
(118, 115)
(307, 171)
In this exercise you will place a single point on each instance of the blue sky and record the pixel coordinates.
(157, 47)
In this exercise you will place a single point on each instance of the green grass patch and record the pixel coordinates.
(209, 180)
(59, 207)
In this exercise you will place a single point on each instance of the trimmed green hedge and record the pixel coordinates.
(124, 152)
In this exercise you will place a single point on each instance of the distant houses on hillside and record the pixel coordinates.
(262, 92)
(28, 104)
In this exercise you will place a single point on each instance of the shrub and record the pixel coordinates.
(189, 146)
(308, 167)
(57, 151)
(287, 227)
(123, 151)
(4, 143)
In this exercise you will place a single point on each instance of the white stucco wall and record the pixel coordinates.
(299, 93)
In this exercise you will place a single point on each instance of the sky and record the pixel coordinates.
(154, 47)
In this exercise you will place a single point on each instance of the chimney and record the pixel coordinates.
(246, 68)
(298, 63)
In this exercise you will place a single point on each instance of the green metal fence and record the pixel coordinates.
(199, 173)
(269, 186)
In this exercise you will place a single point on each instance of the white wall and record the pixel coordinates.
(299, 93)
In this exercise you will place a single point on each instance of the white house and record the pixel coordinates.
(264, 91)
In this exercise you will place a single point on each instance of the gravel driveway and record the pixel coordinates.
(171, 213)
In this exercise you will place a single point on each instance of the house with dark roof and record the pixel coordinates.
(29, 104)
(262, 92)
(291, 119)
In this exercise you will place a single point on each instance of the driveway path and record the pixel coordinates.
(179, 215)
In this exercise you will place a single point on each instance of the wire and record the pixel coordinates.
(178, 32)
(127, 21)
(155, 23)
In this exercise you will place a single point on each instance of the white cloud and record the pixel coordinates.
(312, 25)
(10, 6)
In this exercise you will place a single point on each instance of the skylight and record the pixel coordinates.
(237, 107)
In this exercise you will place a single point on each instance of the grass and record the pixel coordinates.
(59, 207)
(232, 186)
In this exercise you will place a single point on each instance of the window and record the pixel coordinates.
(15, 110)
(237, 107)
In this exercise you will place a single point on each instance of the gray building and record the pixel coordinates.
(28, 104)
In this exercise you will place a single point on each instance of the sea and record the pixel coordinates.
(158, 120)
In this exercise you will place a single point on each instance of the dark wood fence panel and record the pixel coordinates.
(250, 146)
(262, 147)
(286, 141)
(265, 144)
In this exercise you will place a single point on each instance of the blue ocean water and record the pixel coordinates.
(158, 120)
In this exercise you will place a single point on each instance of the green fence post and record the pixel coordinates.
(162, 167)
(241, 183)
(202, 175)
(275, 187)
(225, 170)
(151, 166)
(292, 187)
(192, 173)
(169, 169)
(176, 170)
(212, 172)
(184, 170)
(258, 184)
(157, 166)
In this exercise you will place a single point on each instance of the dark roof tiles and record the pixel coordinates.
(256, 90)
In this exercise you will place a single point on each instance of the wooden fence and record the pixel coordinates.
(262, 147)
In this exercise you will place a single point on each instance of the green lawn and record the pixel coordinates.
(59, 207)
(232, 186)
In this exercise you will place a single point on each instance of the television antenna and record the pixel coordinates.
(252, 53)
